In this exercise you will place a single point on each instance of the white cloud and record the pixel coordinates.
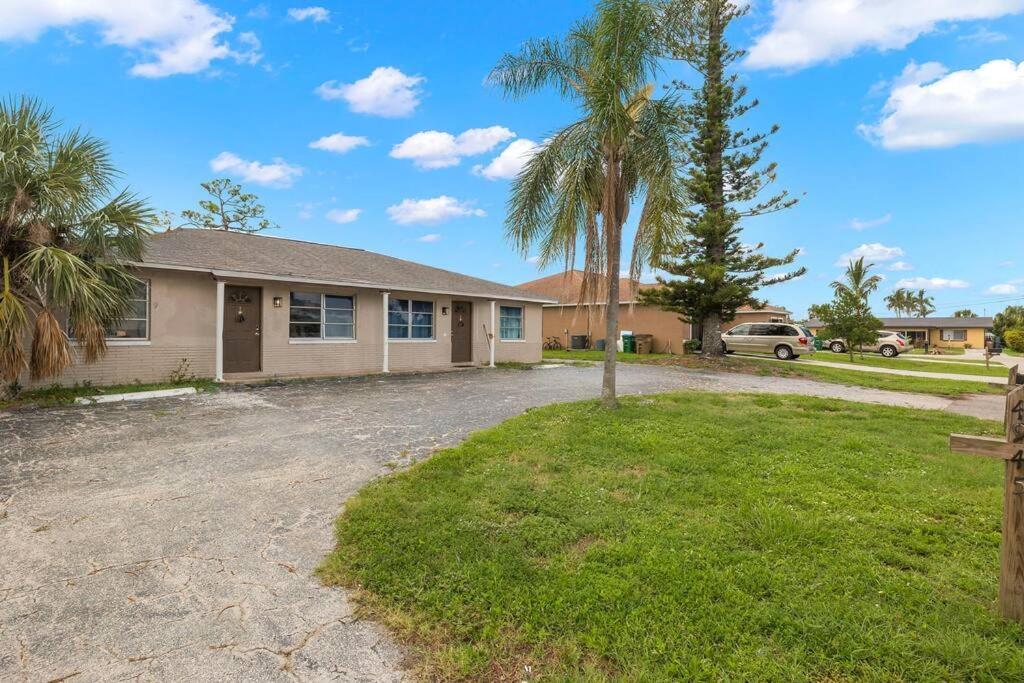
(276, 174)
(305, 210)
(872, 253)
(432, 237)
(1006, 264)
(435, 149)
(533, 259)
(343, 216)
(314, 14)
(858, 224)
(806, 32)
(931, 107)
(1006, 288)
(900, 266)
(510, 162)
(172, 37)
(431, 211)
(983, 35)
(931, 283)
(385, 92)
(339, 143)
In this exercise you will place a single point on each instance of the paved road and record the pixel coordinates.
(175, 539)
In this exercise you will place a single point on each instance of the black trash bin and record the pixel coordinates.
(578, 342)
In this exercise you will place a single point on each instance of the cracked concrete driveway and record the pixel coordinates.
(176, 538)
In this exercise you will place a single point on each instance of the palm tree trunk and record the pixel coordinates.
(611, 215)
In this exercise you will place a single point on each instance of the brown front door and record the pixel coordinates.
(242, 329)
(462, 332)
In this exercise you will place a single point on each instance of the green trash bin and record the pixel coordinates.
(819, 344)
(628, 343)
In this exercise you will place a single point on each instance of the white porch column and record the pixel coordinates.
(385, 296)
(494, 336)
(218, 368)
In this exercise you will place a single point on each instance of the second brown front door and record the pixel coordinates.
(462, 332)
(241, 329)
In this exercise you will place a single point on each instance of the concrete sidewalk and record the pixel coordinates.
(889, 371)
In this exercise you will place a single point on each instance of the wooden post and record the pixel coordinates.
(1011, 451)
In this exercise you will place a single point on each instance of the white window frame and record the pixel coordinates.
(948, 334)
(323, 319)
(522, 324)
(410, 339)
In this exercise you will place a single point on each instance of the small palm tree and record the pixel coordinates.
(858, 283)
(64, 238)
(579, 186)
(923, 304)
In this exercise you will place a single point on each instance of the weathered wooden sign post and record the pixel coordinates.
(1011, 450)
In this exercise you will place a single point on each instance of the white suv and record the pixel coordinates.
(889, 344)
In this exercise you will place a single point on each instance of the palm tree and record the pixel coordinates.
(922, 304)
(580, 184)
(857, 282)
(64, 239)
(965, 313)
(898, 302)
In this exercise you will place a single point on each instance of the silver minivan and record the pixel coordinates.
(785, 340)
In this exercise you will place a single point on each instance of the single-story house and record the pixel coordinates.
(936, 332)
(231, 305)
(565, 319)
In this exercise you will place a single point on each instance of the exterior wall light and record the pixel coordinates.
(278, 301)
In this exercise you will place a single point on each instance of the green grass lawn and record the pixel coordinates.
(945, 352)
(1011, 352)
(598, 356)
(691, 536)
(57, 395)
(765, 366)
(876, 361)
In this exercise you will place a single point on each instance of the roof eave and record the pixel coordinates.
(249, 275)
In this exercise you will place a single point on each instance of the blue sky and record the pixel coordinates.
(902, 123)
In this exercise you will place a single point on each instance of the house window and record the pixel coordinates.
(135, 324)
(776, 319)
(511, 323)
(954, 335)
(321, 316)
(408, 319)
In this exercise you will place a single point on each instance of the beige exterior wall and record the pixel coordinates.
(182, 319)
(669, 331)
(183, 326)
(743, 317)
(565, 321)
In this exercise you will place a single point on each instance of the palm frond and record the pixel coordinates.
(51, 351)
(13, 323)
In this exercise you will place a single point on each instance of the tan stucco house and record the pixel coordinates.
(237, 306)
(940, 333)
(564, 318)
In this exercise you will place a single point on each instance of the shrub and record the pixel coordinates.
(967, 345)
(1015, 339)
(691, 346)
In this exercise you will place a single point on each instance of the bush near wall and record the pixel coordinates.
(1015, 339)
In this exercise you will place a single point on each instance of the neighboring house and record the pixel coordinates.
(566, 319)
(937, 332)
(235, 305)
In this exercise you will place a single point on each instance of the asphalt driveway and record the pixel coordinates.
(176, 538)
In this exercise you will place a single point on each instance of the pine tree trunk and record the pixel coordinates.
(711, 343)
(711, 337)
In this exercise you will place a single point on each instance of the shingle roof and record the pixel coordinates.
(221, 251)
(565, 287)
(924, 323)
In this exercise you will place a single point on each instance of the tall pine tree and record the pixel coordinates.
(716, 272)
